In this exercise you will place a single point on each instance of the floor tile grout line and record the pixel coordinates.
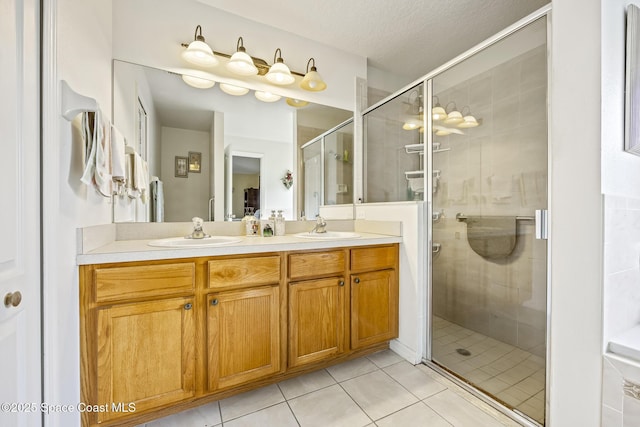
(353, 400)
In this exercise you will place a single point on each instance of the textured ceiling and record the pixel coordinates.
(405, 37)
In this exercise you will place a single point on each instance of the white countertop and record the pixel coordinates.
(139, 250)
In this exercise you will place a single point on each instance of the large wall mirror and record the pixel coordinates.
(236, 149)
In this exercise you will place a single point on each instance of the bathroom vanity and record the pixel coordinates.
(165, 332)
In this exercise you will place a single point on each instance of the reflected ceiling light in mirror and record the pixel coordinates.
(279, 73)
(453, 116)
(469, 121)
(412, 124)
(233, 90)
(297, 103)
(240, 62)
(415, 111)
(198, 52)
(267, 96)
(198, 82)
(443, 130)
(437, 112)
(312, 80)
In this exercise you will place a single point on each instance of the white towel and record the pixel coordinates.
(97, 165)
(416, 184)
(140, 177)
(118, 162)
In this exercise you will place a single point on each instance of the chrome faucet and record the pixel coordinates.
(197, 232)
(320, 225)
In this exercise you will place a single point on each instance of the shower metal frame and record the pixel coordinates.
(427, 81)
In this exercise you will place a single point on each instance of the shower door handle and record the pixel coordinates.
(542, 224)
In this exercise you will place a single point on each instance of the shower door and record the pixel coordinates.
(489, 184)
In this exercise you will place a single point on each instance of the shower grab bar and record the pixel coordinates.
(462, 218)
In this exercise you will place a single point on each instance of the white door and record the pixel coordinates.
(20, 361)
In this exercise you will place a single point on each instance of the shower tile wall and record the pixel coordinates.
(498, 168)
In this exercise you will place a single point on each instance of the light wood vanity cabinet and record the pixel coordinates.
(243, 320)
(169, 335)
(138, 337)
(316, 320)
(374, 295)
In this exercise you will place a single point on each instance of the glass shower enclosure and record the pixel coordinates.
(489, 196)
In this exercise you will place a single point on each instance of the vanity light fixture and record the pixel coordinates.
(312, 80)
(241, 63)
(437, 112)
(198, 52)
(233, 90)
(454, 116)
(297, 103)
(279, 73)
(198, 82)
(267, 96)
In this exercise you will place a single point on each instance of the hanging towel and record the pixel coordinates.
(492, 236)
(118, 156)
(140, 177)
(416, 184)
(157, 200)
(97, 170)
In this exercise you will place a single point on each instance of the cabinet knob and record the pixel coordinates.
(13, 299)
(357, 280)
(341, 283)
(214, 301)
(188, 306)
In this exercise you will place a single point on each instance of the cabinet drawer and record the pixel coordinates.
(363, 259)
(124, 283)
(316, 264)
(241, 272)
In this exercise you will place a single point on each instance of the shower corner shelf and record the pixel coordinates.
(414, 174)
(414, 148)
(419, 149)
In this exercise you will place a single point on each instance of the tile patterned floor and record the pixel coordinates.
(378, 390)
(514, 376)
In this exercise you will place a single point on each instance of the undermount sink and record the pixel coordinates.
(329, 235)
(183, 242)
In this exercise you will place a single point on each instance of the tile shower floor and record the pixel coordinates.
(378, 390)
(512, 375)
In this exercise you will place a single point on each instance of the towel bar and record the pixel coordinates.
(461, 218)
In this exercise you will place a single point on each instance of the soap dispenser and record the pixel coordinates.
(280, 224)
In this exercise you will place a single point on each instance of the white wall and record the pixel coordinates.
(150, 33)
(410, 342)
(187, 197)
(276, 158)
(85, 27)
(620, 177)
(576, 214)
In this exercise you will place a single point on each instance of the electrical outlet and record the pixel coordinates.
(360, 214)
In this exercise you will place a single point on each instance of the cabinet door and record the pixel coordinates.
(146, 355)
(374, 307)
(316, 320)
(243, 329)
